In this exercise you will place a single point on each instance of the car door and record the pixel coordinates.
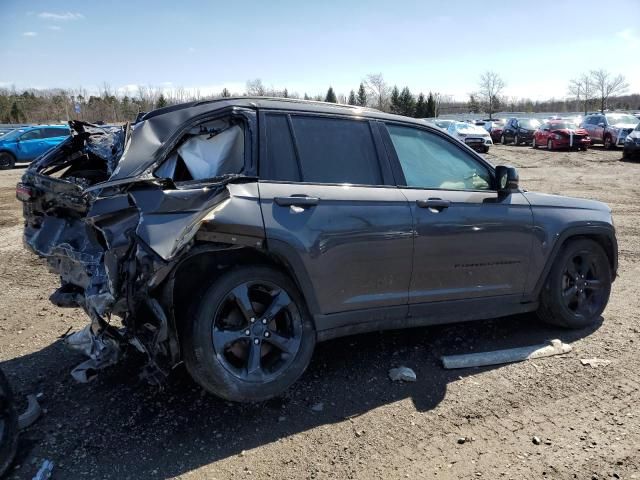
(30, 145)
(542, 134)
(469, 241)
(510, 131)
(599, 126)
(331, 210)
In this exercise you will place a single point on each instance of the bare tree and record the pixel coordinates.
(605, 86)
(491, 87)
(582, 89)
(378, 88)
(255, 88)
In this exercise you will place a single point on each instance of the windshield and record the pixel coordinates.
(530, 123)
(443, 123)
(562, 125)
(13, 134)
(621, 118)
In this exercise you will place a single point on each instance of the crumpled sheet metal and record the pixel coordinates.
(101, 350)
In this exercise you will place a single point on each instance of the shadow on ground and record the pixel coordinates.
(119, 427)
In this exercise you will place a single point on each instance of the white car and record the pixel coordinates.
(472, 135)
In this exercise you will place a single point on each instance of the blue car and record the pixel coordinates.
(25, 144)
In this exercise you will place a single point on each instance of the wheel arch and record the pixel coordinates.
(601, 234)
(185, 282)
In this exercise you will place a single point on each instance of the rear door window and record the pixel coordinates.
(281, 162)
(56, 132)
(333, 150)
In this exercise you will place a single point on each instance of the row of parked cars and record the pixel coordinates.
(612, 129)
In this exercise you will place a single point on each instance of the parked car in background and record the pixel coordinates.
(609, 129)
(632, 143)
(560, 134)
(472, 135)
(5, 130)
(519, 130)
(234, 249)
(24, 145)
(495, 127)
(443, 124)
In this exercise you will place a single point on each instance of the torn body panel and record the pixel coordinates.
(115, 243)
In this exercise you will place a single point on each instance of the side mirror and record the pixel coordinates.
(507, 179)
(601, 124)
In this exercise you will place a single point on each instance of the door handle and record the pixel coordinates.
(434, 203)
(302, 201)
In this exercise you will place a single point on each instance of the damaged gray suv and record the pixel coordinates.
(234, 234)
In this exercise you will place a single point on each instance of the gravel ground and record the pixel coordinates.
(367, 427)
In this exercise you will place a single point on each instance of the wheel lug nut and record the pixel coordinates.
(256, 341)
(264, 321)
(253, 320)
(247, 332)
(267, 334)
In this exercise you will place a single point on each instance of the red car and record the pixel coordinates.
(561, 134)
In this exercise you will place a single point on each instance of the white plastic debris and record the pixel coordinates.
(508, 355)
(45, 471)
(402, 374)
(595, 362)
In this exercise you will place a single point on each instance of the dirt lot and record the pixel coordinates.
(118, 427)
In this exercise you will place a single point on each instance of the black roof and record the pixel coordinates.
(278, 103)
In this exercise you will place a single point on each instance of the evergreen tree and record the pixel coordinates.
(395, 100)
(407, 103)
(306, 97)
(16, 114)
(285, 94)
(362, 96)
(474, 106)
(162, 101)
(352, 98)
(421, 107)
(331, 96)
(431, 106)
(225, 92)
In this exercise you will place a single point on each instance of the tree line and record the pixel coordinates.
(596, 89)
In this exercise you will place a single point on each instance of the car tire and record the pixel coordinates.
(549, 145)
(578, 286)
(626, 155)
(608, 144)
(9, 426)
(516, 140)
(503, 140)
(244, 360)
(7, 161)
(533, 143)
(485, 149)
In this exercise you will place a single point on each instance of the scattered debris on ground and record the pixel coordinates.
(595, 362)
(508, 355)
(31, 414)
(402, 374)
(46, 469)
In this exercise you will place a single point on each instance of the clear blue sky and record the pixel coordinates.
(306, 46)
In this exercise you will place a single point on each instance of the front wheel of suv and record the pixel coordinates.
(578, 287)
(251, 336)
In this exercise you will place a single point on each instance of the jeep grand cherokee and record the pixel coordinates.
(234, 234)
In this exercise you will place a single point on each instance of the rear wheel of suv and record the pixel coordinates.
(578, 287)
(503, 140)
(251, 336)
(549, 145)
(7, 161)
(516, 140)
(533, 143)
(608, 143)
